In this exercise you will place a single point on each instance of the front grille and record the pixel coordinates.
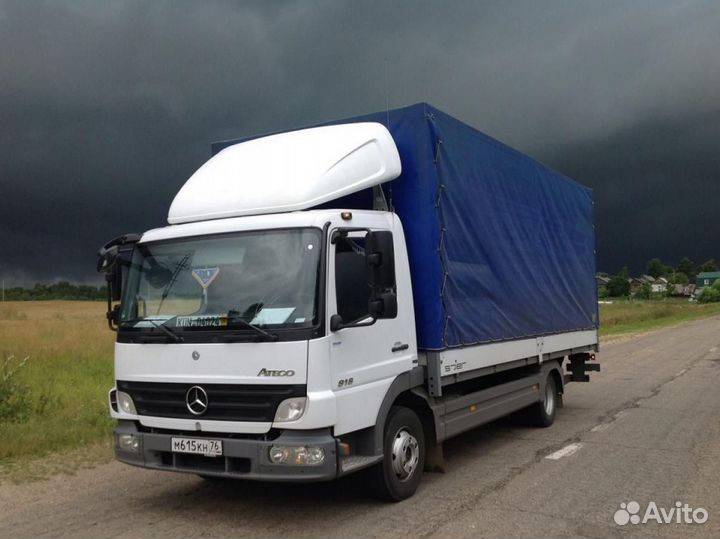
(226, 402)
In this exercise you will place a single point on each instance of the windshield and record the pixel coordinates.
(264, 278)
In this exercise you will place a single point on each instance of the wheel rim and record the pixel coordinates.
(549, 399)
(405, 454)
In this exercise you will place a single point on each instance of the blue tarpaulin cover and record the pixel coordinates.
(500, 246)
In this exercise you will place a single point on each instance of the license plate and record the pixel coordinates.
(197, 446)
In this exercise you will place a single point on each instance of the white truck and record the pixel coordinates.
(345, 298)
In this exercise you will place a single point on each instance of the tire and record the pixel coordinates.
(542, 413)
(392, 479)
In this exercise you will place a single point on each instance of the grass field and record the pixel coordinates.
(58, 398)
(627, 317)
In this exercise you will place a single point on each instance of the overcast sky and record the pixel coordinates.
(106, 108)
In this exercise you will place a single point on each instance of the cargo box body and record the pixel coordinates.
(501, 247)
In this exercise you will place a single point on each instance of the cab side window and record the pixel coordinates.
(351, 283)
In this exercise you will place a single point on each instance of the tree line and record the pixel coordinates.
(684, 273)
(61, 290)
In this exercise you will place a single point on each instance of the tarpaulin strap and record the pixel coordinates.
(437, 151)
(441, 244)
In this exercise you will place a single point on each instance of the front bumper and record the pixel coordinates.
(242, 458)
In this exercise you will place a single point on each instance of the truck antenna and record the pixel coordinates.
(379, 200)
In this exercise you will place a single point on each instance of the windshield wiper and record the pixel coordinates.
(169, 332)
(234, 316)
(173, 278)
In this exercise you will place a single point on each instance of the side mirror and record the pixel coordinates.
(113, 316)
(383, 305)
(107, 258)
(114, 280)
(336, 323)
(380, 258)
(110, 263)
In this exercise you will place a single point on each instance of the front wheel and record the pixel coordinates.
(398, 475)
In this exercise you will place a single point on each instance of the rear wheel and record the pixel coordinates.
(542, 414)
(398, 475)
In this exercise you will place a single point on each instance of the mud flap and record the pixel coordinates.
(434, 459)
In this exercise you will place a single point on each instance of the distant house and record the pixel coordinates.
(678, 290)
(601, 281)
(707, 278)
(659, 285)
(686, 290)
(636, 283)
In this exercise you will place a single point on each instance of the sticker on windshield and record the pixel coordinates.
(205, 276)
(210, 320)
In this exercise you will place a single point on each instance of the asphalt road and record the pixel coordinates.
(646, 429)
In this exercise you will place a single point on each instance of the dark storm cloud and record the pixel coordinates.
(656, 189)
(107, 107)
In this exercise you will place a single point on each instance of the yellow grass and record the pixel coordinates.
(67, 375)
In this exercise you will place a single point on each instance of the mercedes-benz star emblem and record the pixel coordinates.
(197, 400)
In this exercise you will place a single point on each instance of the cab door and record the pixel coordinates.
(364, 360)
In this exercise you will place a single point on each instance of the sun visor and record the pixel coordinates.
(288, 172)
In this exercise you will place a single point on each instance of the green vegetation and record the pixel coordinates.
(14, 397)
(710, 294)
(656, 268)
(710, 265)
(627, 317)
(619, 285)
(687, 268)
(645, 291)
(62, 290)
(55, 371)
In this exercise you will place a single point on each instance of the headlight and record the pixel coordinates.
(299, 455)
(291, 409)
(125, 403)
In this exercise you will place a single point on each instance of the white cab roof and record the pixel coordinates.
(288, 172)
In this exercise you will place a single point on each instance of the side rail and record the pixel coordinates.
(456, 414)
(448, 367)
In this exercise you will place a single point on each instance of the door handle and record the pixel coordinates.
(399, 347)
